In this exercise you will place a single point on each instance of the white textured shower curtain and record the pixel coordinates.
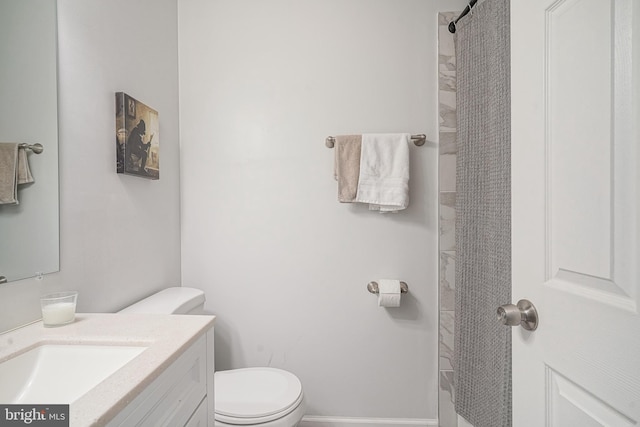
(482, 352)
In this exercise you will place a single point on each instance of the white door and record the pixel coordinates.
(576, 211)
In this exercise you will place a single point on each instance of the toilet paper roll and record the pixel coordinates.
(388, 293)
(388, 300)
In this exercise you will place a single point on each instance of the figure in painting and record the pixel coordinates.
(137, 149)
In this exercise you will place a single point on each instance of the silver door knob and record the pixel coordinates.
(524, 314)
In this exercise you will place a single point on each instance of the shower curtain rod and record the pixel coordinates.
(452, 24)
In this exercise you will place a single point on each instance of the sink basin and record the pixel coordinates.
(60, 373)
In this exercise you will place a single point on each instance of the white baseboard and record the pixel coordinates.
(319, 421)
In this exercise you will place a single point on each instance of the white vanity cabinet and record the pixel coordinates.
(182, 395)
(168, 383)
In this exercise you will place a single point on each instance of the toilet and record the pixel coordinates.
(243, 397)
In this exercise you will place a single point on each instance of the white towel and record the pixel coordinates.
(384, 172)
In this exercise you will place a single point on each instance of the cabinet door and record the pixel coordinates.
(173, 397)
(199, 418)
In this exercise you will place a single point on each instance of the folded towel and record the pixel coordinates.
(347, 166)
(383, 181)
(14, 170)
(8, 173)
(24, 172)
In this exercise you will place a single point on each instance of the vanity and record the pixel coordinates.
(115, 369)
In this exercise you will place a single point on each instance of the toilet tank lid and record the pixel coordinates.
(176, 300)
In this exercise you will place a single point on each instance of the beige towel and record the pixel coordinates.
(24, 172)
(14, 170)
(347, 166)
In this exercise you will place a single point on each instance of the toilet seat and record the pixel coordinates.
(255, 395)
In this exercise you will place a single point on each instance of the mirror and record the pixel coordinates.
(29, 231)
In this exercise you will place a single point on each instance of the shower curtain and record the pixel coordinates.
(482, 350)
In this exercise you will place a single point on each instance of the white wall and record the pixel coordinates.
(120, 235)
(283, 264)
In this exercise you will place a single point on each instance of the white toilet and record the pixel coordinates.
(267, 396)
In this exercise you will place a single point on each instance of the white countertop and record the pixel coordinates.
(165, 336)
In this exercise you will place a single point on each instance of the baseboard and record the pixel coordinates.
(318, 421)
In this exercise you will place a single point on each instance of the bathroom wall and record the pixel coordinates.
(284, 265)
(120, 235)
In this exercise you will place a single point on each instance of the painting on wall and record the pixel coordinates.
(137, 138)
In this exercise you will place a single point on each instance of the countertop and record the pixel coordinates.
(165, 336)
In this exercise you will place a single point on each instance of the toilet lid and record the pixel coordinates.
(256, 393)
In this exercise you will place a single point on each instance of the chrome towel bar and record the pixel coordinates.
(36, 148)
(418, 139)
(373, 288)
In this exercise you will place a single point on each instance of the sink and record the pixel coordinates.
(60, 373)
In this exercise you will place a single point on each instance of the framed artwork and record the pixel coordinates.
(137, 138)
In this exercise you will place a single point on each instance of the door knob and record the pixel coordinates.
(524, 314)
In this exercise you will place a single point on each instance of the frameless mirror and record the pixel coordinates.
(29, 231)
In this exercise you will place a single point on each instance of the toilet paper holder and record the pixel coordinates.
(373, 287)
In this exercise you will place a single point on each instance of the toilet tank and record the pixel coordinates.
(178, 300)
